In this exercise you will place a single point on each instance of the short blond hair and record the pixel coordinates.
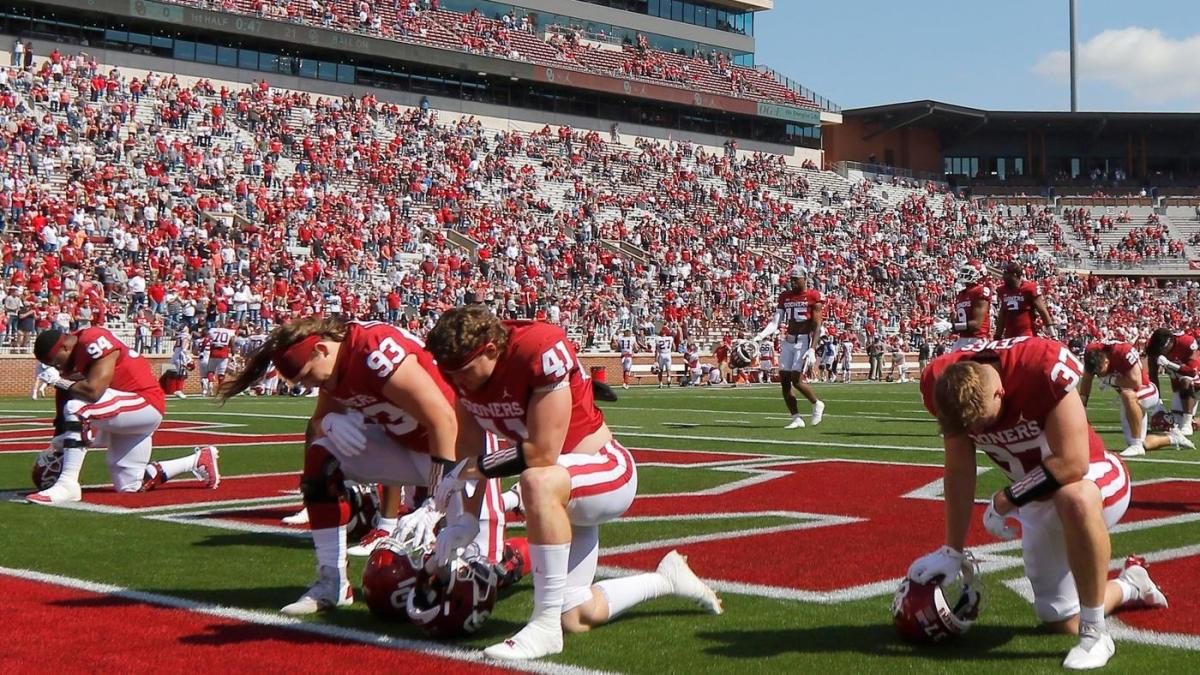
(959, 397)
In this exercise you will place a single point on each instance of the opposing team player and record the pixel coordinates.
(1016, 400)
(664, 347)
(384, 415)
(627, 344)
(109, 399)
(1118, 365)
(972, 318)
(220, 344)
(801, 312)
(1176, 353)
(522, 380)
(1021, 304)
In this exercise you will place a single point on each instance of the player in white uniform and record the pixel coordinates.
(627, 344)
(898, 364)
(664, 346)
(220, 344)
(847, 356)
(181, 359)
(39, 384)
(766, 361)
(691, 358)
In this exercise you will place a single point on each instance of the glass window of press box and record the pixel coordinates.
(694, 13)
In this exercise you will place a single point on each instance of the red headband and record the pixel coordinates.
(466, 360)
(289, 362)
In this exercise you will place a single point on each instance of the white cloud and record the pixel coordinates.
(1150, 67)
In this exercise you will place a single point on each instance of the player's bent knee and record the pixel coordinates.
(71, 409)
(542, 481)
(1077, 501)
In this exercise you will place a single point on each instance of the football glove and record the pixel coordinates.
(415, 531)
(942, 326)
(944, 562)
(452, 483)
(998, 524)
(460, 530)
(345, 432)
(1164, 362)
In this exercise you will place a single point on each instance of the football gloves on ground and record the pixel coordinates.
(460, 530)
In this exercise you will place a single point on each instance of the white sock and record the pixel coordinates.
(549, 582)
(626, 592)
(174, 467)
(1186, 423)
(330, 543)
(72, 463)
(1128, 592)
(387, 524)
(509, 500)
(1092, 615)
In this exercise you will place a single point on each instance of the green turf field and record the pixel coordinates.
(801, 595)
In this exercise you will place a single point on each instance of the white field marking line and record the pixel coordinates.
(19, 496)
(291, 446)
(856, 446)
(287, 623)
(230, 524)
(935, 490)
(203, 425)
(622, 426)
(759, 413)
(813, 520)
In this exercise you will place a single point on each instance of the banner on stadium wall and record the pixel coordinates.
(789, 114)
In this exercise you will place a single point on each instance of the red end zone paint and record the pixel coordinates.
(192, 492)
(1179, 580)
(171, 433)
(57, 629)
(685, 457)
(894, 530)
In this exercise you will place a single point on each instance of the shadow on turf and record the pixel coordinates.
(984, 642)
(881, 434)
(255, 539)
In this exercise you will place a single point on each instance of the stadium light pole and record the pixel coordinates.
(1074, 72)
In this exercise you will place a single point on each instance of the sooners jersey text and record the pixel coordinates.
(796, 308)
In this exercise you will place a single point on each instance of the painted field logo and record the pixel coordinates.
(34, 433)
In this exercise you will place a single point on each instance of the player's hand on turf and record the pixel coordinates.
(415, 531)
(345, 432)
(944, 562)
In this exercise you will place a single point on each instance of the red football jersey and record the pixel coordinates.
(538, 358)
(1183, 349)
(366, 360)
(219, 341)
(1037, 373)
(131, 374)
(1018, 308)
(797, 308)
(1122, 357)
(962, 310)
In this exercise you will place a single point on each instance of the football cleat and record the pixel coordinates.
(151, 482)
(534, 641)
(796, 423)
(818, 412)
(180, 394)
(1094, 650)
(368, 543)
(1180, 440)
(1136, 450)
(298, 518)
(206, 469)
(686, 584)
(330, 590)
(62, 492)
(514, 563)
(1137, 575)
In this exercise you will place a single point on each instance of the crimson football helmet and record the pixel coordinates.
(47, 466)
(455, 600)
(1162, 422)
(389, 578)
(941, 608)
(364, 507)
(743, 354)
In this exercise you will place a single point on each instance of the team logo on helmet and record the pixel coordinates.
(390, 577)
(47, 467)
(456, 599)
(743, 354)
(364, 506)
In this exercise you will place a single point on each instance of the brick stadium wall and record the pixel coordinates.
(17, 371)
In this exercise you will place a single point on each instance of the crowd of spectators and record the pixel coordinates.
(157, 206)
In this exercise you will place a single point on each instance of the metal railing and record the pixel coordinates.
(822, 102)
(845, 167)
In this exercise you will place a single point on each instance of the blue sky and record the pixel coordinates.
(993, 54)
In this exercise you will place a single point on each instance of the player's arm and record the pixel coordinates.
(771, 327)
(817, 317)
(96, 382)
(548, 421)
(1039, 306)
(1068, 438)
(1000, 321)
(979, 311)
(1085, 387)
(959, 482)
(412, 390)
